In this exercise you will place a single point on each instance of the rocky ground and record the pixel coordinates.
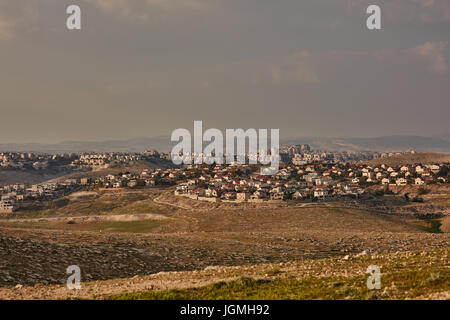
(323, 270)
(42, 256)
(37, 252)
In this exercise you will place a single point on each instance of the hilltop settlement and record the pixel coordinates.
(304, 175)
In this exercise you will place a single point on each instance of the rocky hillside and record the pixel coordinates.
(404, 275)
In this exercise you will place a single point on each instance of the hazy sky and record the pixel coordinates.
(147, 67)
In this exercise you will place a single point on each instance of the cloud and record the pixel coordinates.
(296, 68)
(428, 11)
(303, 68)
(5, 28)
(21, 17)
(434, 55)
(430, 55)
(293, 69)
(148, 10)
(17, 17)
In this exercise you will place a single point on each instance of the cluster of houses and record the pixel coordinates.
(90, 161)
(147, 178)
(308, 176)
(244, 183)
(317, 181)
(11, 196)
(14, 160)
(97, 161)
(302, 154)
(401, 176)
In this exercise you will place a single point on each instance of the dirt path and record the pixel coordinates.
(119, 217)
(156, 200)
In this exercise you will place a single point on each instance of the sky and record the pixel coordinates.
(143, 68)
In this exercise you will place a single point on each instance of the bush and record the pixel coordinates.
(422, 191)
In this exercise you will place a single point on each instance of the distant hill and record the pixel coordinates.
(445, 136)
(13, 176)
(383, 144)
(162, 143)
(392, 143)
(423, 158)
(132, 145)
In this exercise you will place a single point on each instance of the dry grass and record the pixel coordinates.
(406, 275)
(106, 203)
(445, 227)
(193, 239)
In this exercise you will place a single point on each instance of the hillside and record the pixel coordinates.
(127, 233)
(163, 143)
(135, 167)
(423, 158)
(405, 275)
(32, 176)
(137, 241)
(381, 144)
